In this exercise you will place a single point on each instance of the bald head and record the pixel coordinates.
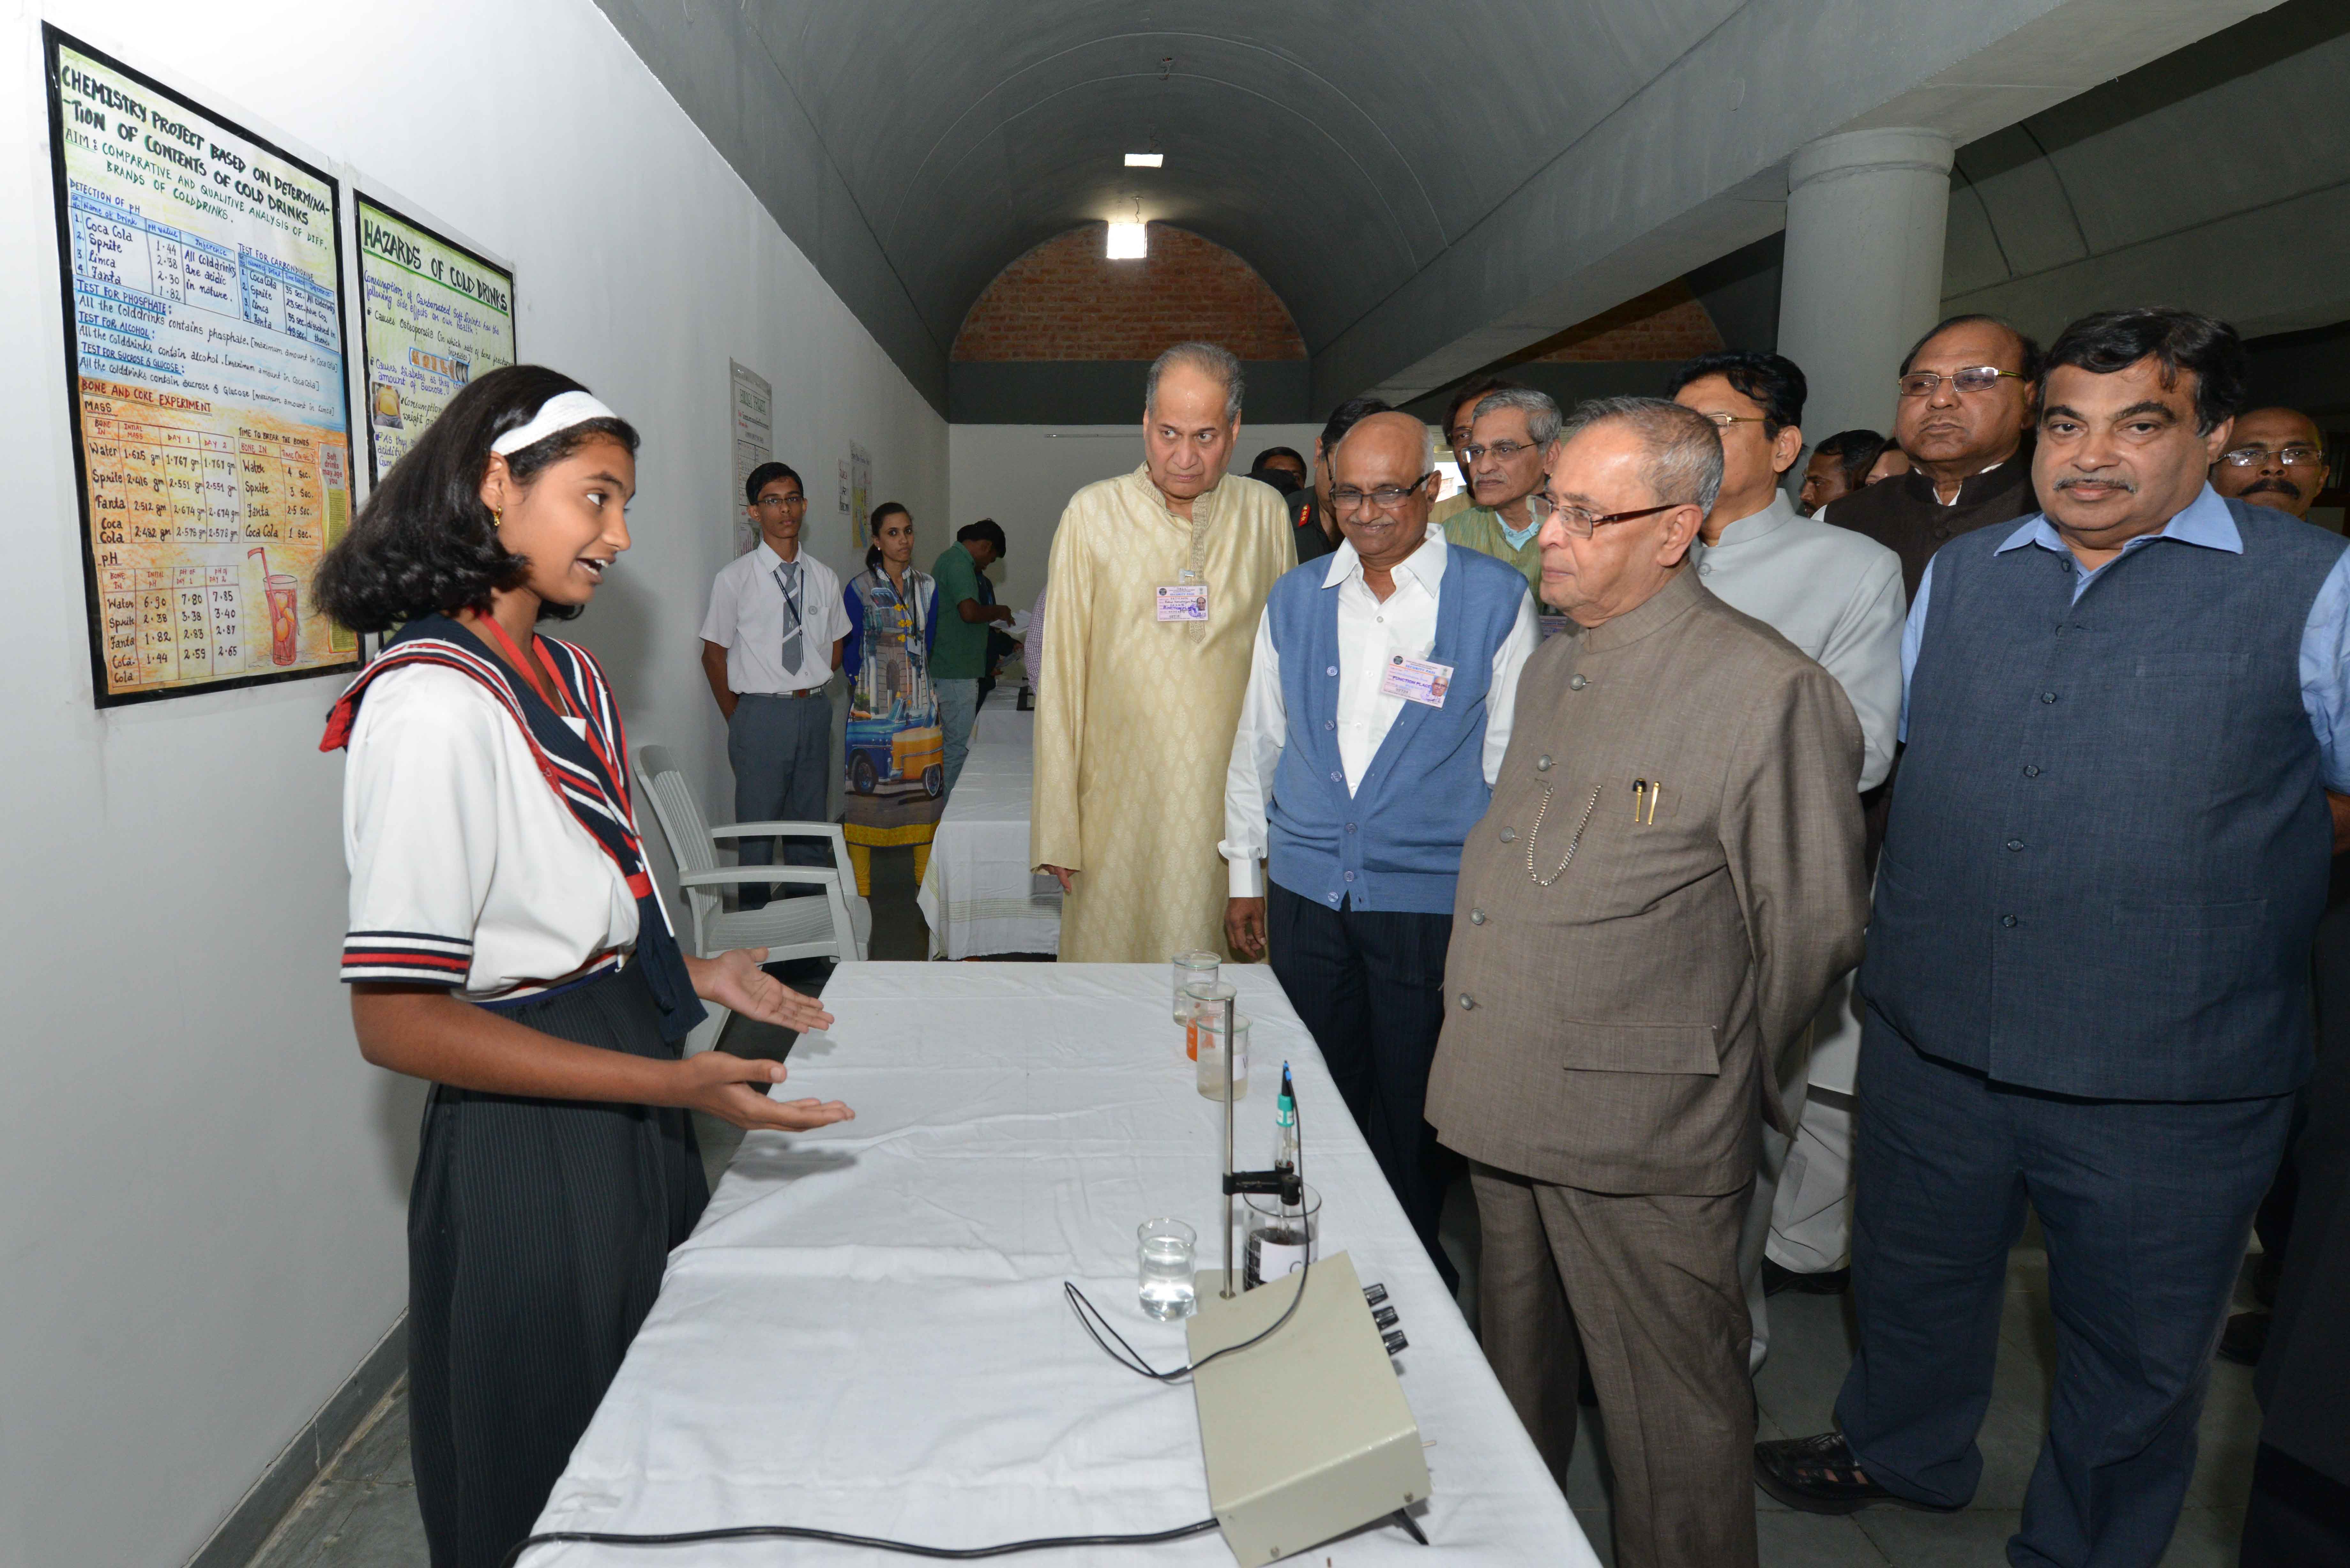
(2286, 465)
(1380, 490)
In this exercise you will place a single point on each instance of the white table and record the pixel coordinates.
(1001, 724)
(978, 893)
(866, 1332)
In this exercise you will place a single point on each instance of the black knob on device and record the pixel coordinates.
(1394, 1341)
(1375, 1293)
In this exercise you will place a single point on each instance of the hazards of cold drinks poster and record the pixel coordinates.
(435, 316)
(205, 371)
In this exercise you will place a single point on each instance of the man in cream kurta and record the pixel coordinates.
(1154, 615)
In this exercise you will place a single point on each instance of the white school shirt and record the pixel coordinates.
(1369, 633)
(458, 846)
(746, 620)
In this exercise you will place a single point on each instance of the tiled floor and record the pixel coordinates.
(362, 1512)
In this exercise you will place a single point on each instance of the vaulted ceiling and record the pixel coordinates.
(1425, 184)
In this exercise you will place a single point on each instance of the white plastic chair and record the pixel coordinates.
(836, 926)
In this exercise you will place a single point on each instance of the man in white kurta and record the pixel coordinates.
(1158, 578)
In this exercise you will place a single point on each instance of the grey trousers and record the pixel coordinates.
(781, 751)
(1649, 1284)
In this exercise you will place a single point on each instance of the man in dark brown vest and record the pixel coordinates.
(1967, 395)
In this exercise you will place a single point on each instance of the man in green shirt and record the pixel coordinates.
(959, 652)
(1510, 440)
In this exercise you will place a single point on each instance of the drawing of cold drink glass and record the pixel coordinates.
(285, 631)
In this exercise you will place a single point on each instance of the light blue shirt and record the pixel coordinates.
(2206, 524)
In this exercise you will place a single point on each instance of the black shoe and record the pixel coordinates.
(1832, 1282)
(1819, 1475)
(2246, 1335)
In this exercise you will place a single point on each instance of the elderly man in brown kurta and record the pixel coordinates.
(1668, 878)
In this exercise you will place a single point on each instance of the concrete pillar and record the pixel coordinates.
(1866, 215)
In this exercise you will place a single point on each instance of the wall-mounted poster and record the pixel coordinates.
(754, 404)
(434, 316)
(204, 355)
(860, 497)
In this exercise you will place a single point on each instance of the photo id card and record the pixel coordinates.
(1187, 601)
(1416, 680)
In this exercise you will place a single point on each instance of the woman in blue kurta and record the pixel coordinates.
(506, 944)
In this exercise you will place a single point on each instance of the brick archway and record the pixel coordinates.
(1065, 300)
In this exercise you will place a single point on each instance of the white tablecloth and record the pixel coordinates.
(1001, 724)
(978, 894)
(866, 1332)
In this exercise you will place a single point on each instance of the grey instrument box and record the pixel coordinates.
(1307, 1435)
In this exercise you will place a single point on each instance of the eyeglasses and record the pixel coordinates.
(1503, 450)
(2290, 456)
(1973, 378)
(1581, 524)
(1347, 497)
(785, 501)
(1724, 422)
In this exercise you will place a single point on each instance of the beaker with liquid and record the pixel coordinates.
(1208, 1041)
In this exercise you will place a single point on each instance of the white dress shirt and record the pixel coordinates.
(1835, 594)
(746, 620)
(1369, 633)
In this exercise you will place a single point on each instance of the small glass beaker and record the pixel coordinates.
(1203, 996)
(1198, 967)
(1208, 1041)
(1163, 1255)
(1279, 1239)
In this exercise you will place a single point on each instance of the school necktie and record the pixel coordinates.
(787, 579)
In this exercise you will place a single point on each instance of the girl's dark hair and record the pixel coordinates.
(424, 543)
(873, 521)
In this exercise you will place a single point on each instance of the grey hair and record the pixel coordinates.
(1542, 414)
(1427, 440)
(1684, 466)
(1214, 360)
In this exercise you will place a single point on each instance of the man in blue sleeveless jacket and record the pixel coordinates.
(2086, 980)
(1377, 712)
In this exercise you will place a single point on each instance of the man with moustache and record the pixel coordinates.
(1459, 414)
(2084, 983)
(1309, 505)
(1668, 878)
(1378, 707)
(1510, 439)
(1157, 579)
(1965, 407)
(2276, 458)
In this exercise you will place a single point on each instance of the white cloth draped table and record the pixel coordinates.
(979, 893)
(866, 1332)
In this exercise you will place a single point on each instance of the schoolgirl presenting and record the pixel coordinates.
(506, 944)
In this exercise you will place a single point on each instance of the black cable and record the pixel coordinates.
(804, 1532)
(1088, 1314)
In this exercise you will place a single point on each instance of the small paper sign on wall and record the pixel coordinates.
(752, 401)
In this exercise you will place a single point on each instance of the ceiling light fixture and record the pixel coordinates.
(1144, 159)
(1129, 242)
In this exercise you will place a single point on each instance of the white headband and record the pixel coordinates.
(560, 413)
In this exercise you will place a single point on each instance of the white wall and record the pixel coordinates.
(202, 1227)
(1023, 475)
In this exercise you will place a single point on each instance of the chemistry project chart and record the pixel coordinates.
(204, 366)
(435, 316)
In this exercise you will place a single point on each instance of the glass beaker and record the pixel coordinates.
(1207, 1041)
(1208, 995)
(1279, 1239)
(1164, 1255)
(1198, 967)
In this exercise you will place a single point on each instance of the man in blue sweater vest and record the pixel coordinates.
(2086, 980)
(1377, 710)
